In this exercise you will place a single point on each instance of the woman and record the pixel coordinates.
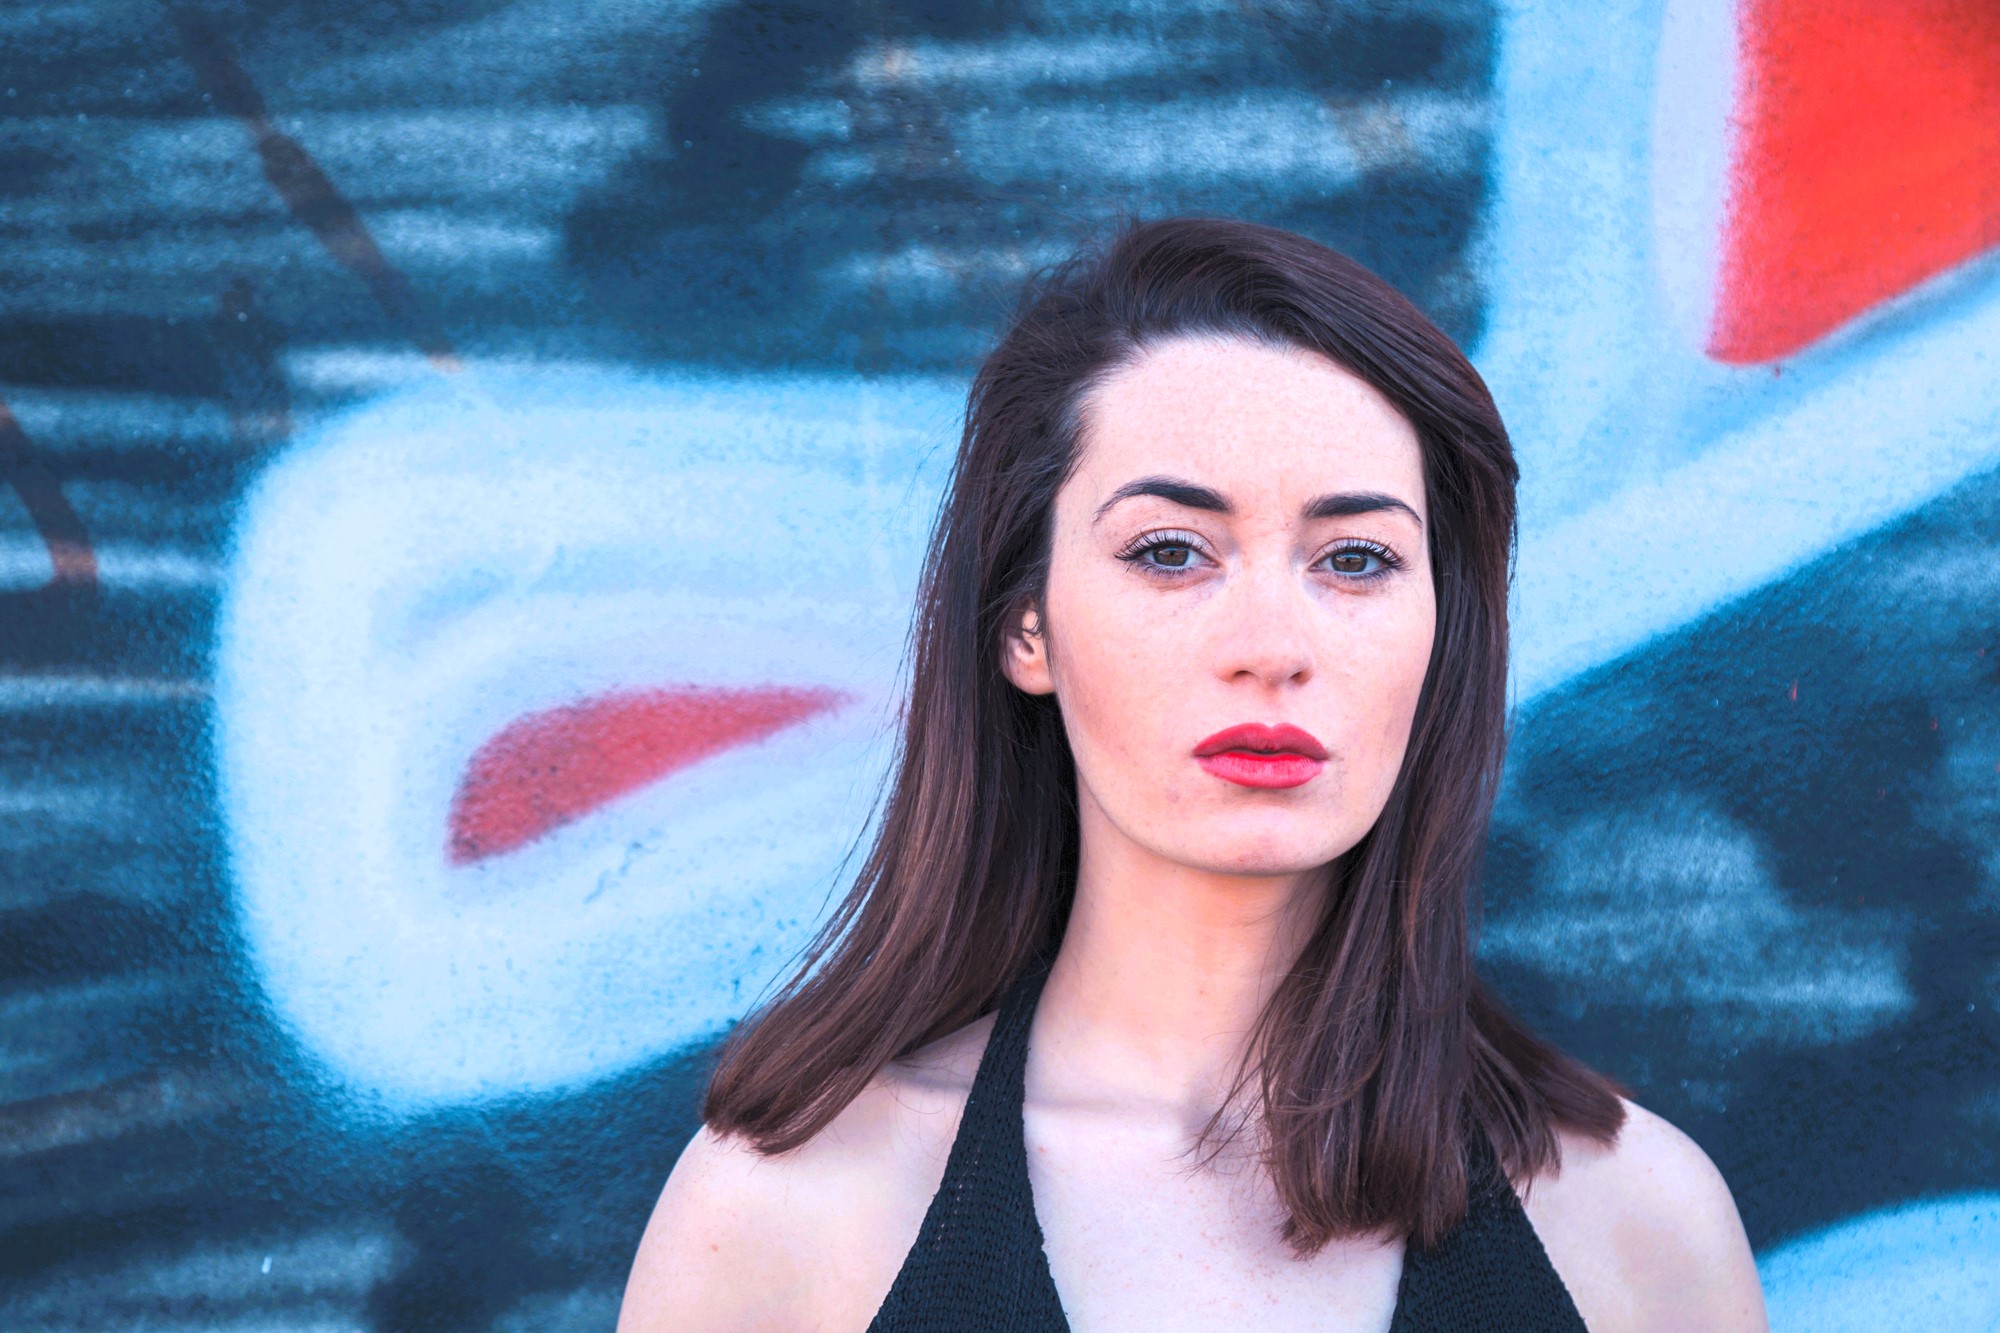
(1153, 1006)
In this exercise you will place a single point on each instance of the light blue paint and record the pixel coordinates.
(1932, 1266)
(446, 561)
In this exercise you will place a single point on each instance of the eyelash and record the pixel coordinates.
(1137, 551)
(1390, 562)
(1140, 547)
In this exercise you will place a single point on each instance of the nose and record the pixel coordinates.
(1264, 632)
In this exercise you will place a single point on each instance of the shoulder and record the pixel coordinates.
(810, 1238)
(1644, 1232)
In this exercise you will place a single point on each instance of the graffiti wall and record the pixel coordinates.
(462, 475)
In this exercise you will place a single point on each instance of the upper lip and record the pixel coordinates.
(1263, 738)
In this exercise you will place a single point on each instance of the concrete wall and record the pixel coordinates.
(463, 477)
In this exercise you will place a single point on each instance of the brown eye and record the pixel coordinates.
(1357, 562)
(1164, 553)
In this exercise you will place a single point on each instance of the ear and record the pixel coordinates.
(1024, 652)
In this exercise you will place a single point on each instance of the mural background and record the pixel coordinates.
(465, 465)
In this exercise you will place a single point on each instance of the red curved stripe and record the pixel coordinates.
(1867, 159)
(544, 770)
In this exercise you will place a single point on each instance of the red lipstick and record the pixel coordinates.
(1256, 755)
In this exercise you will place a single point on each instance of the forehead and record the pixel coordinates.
(1247, 417)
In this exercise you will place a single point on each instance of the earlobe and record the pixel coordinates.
(1025, 654)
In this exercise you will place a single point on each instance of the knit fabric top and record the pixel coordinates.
(978, 1262)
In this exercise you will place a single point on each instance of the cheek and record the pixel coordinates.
(1115, 669)
(1394, 683)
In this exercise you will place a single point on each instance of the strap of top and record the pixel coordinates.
(1489, 1274)
(978, 1262)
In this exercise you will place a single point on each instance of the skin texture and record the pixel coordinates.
(1191, 897)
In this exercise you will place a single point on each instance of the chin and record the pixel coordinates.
(1237, 847)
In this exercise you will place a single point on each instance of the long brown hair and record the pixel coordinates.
(1380, 1052)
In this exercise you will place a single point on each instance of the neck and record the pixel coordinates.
(1163, 972)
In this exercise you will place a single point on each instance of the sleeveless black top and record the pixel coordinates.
(978, 1262)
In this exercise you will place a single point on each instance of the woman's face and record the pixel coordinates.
(1239, 610)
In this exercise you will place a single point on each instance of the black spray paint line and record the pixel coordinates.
(308, 192)
(56, 521)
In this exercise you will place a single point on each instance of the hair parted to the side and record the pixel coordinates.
(1381, 1050)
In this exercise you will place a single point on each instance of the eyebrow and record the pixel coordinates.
(1340, 504)
(1335, 504)
(1183, 493)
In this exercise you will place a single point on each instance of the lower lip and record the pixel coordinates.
(1248, 768)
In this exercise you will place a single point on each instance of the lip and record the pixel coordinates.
(1255, 754)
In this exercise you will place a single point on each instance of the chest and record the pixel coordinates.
(1141, 1235)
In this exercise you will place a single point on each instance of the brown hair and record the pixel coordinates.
(1380, 1051)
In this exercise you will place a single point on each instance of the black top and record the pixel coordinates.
(978, 1262)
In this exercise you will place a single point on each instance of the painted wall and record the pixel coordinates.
(463, 475)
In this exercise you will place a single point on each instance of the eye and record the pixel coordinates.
(1164, 552)
(1361, 561)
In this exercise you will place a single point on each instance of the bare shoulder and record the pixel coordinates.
(709, 1258)
(1645, 1234)
(811, 1238)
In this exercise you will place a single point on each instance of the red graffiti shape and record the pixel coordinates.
(547, 769)
(1867, 158)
